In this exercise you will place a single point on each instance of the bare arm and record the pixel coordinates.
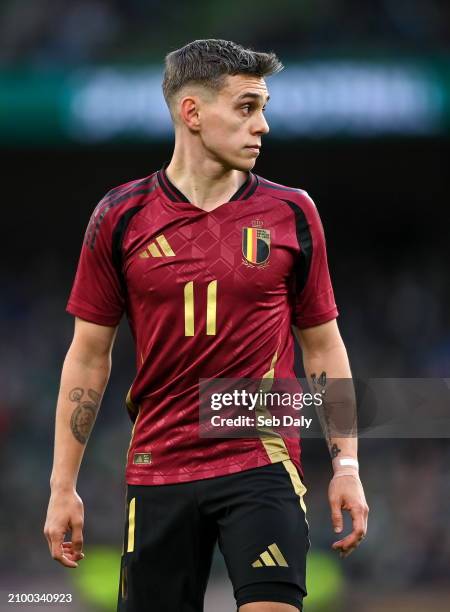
(84, 377)
(325, 358)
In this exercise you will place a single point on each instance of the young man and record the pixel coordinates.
(212, 265)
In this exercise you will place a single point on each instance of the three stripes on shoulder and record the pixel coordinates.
(153, 250)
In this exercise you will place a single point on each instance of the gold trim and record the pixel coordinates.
(189, 309)
(132, 436)
(123, 586)
(273, 443)
(267, 559)
(131, 524)
(154, 251)
(278, 555)
(129, 402)
(298, 485)
(165, 246)
(211, 309)
(257, 563)
(133, 408)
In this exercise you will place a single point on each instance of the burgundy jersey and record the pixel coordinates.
(207, 295)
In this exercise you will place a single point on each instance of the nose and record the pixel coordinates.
(261, 126)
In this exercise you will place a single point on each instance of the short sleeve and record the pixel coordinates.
(314, 302)
(97, 294)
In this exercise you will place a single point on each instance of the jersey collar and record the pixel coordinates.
(243, 193)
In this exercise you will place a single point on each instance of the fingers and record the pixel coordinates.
(57, 550)
(359, 513)
(349, 543)
(70, 553)
(66, 553)
(67, 556)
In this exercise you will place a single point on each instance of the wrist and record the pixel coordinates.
(345, 466)
(353, 474)
(62, 486)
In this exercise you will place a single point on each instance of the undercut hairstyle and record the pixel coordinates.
(208, 62)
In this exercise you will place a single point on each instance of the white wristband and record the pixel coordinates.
(347, 464)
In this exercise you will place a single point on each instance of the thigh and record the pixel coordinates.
(167, 550)
(264, 535)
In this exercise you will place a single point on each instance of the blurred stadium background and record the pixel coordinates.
(361, 119)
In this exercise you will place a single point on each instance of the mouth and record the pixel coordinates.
(254, 148)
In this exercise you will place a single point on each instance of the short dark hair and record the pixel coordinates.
(208, 62)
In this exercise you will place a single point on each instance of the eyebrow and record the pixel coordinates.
(254, 96)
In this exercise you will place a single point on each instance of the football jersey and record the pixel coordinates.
(207, 295)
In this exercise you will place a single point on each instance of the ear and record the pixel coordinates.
(189, 112)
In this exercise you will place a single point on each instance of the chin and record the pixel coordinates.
(244, 165)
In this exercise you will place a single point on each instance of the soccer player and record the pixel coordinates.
(214, 267)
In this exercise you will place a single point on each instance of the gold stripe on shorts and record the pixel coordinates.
(298, 485)
(131, 524)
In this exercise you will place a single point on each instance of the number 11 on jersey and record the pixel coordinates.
(189, 310)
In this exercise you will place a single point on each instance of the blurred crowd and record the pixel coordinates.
(406, 481)
(48, 32)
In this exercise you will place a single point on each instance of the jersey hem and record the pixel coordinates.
(180, 476)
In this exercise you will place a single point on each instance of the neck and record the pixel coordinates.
(202, 179)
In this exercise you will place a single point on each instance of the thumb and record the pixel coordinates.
(337, 518)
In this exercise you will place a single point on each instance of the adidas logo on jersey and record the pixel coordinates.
(268, 559)
(140, 458)
(152, 250)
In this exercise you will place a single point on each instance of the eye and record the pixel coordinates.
(246, 108)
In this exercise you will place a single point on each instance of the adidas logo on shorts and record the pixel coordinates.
(268, 559)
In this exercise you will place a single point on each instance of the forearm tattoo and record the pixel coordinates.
(319, 383)
(334, 451)
(337, 412)
(83, 417)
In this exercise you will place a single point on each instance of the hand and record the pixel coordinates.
(347, 493)
(65, 513)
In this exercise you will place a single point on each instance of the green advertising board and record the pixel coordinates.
(314, 99)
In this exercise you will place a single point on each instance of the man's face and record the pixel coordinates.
(232, 121)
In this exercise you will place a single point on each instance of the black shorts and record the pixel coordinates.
(257, 517)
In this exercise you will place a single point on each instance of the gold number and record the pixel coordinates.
(189, 309)
(211, 309)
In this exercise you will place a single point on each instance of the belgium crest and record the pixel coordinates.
(255, 245)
